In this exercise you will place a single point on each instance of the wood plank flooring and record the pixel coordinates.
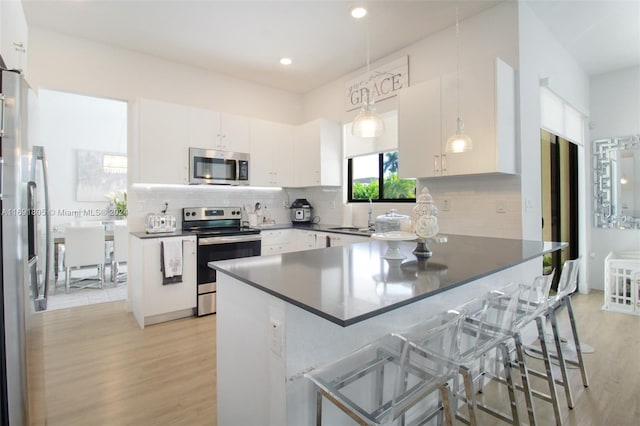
(101, 369)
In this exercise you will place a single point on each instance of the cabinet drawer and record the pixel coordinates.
(206, 304)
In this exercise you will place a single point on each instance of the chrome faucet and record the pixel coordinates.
(371, 224)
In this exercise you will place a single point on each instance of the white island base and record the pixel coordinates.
(265, 345)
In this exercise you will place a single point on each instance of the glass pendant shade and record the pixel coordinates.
(367, 123)
(459, 142)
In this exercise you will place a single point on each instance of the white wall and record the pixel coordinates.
(472, 200)
(541, 56)
(615, 111)
(70, 122)
(76, 65)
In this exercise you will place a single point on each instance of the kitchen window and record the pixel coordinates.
(375, 177)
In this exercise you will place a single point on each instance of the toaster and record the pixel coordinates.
(157, 223)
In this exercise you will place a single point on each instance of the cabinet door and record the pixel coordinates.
(14, 35)
(282, 147)
(204, 129)
(419, 133)
(330, 159)
(487, 108)
(159, 298)
(318, 154)
(307, 154)
(477, 110)
(235, 133)
(261, 162)
(163, 143)
(271, 161)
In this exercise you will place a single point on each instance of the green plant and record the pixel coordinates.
(396, 188)
(365, 191)
(119, 201)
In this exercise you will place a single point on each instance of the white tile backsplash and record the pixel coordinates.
(473, 203)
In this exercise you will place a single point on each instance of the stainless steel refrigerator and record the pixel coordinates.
(24, 256)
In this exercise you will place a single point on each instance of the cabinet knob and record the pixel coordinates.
(436, 163)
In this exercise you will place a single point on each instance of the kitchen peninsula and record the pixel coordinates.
(283, 315)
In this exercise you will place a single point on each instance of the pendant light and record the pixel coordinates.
(367, 123)
(459, 141)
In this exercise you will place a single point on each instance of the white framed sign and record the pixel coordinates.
(384, 82)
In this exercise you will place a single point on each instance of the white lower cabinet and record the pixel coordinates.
(276, 241)
(153, 301)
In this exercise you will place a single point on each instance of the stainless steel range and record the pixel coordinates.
(220, 237)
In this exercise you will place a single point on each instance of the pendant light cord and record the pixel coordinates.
(368, 65)
(458, 67)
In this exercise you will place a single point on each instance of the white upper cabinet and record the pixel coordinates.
(13, 35)
(388, 141)
(419, 131)
(271, 162)
(163, 142)
(219, 131)
(317, 154)
(487, 108)
(166, 131)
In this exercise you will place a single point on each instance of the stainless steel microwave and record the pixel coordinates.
(218, 167)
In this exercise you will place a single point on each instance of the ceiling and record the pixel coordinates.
(246, 39)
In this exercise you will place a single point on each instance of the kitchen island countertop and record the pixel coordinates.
(346, 285)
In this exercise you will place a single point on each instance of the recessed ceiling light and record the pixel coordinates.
(285, 61)
(358, 12)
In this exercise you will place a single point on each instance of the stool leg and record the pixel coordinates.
(446, 405)
(553, 393)
(66, 280)
(510, 387)
(576, 341)
(318, 409)
(470, 394)
(524, 375)
(561, 361)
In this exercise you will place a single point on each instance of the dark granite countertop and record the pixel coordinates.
(349, 284)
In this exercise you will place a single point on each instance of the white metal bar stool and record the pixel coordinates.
(391, 379)
(566, 286)
(120, 251)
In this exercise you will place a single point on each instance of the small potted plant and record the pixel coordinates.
(118, 201)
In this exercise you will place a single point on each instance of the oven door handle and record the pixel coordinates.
(228, 240)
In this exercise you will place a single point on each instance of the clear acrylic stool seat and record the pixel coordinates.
(487, 328)
(392, 378)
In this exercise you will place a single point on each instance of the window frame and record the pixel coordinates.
(350, 198)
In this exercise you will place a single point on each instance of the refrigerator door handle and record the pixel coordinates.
(38, 155)
(2, 115)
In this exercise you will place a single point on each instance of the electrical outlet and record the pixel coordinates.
(275, 337)
(445, 205)
(285, 204)
(501, 206)
(332, 204)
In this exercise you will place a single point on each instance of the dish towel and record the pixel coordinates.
(171, 261)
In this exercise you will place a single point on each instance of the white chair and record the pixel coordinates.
(120, 251)
(84, 246)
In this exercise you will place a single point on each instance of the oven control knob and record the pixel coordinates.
(187, 214)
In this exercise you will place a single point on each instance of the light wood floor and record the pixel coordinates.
(101, 369)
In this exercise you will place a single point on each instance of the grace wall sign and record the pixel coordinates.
(384, 82)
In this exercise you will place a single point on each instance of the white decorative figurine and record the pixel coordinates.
(425, 222)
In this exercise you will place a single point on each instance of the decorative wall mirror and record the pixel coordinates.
(616, 166)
